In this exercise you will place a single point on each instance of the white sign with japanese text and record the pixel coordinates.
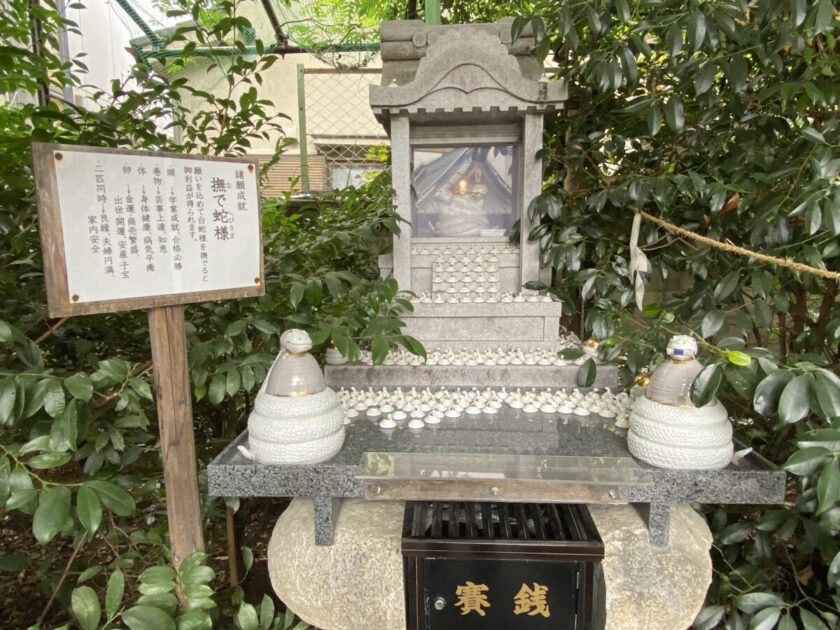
(144, 225)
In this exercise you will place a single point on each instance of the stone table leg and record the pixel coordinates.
(326, 514)
(658, 522)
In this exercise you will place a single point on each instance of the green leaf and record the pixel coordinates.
(827, 393)
(628, 64)
(200, 574)
(232, 382)
(49, 460)
(36, 398)
(115, 370)
(806, 461)
(247, 618)
(147, 618)
(51, 514)
(79, 386)
(141, 387)
(708, 618)
(8, 395)
(735, 533)
(828, 485)
(379, 349)
(766, 397)
(738, 358)
(218, 387)
(813, 135)
(115, 498)
(794, 402)
(54, 399)
(705, 386)
(674, 113)
(704, 79)
(195, 620)
(834, 572)
(247, 558)
(674, 39)
(787, 622)
(6, 333)
(64, 431)
(21, 499)
(85, 607)
(266, 612)
(824, 18)
(586, 373)
(296, 294)
(88, 509)
(765, 619)
(737, 72)
(163, 577)
(13, 562)
(712, 323)
(725, 287)
(696, 30)
(753, 602)
(810, 621)
(654, 120)
(827, 438)
(114, 593)
(89, 573)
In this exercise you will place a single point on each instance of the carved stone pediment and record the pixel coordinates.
(467, 69)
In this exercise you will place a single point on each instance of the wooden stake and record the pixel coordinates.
(177, 440)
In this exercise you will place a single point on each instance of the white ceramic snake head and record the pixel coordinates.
(682, 347)
(296, 341)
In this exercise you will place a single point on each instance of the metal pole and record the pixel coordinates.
(432, 12)
(302, 137)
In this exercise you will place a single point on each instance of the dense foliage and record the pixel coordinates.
(722, 118)
(718, 116)
(79, 453)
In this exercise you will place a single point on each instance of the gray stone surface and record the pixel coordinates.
(326, 514)
(497, 309)
(659, 523)
(484, 331)
(511, 433)
(358, 582)
(401, 182)
(649, 587)
(463, 69)
(525, 376)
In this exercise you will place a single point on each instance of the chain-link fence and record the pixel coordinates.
(338, 124)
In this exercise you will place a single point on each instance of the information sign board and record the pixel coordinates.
(124, 229)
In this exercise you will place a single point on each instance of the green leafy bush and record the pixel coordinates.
(79, 452)
(721, 118)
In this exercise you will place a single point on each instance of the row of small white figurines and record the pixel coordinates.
(488, 356)
(389, 407)
(451, 253)
(465, 268)
(477, 297)
(466, 279)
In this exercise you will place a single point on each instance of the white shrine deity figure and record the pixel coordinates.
(461, 211)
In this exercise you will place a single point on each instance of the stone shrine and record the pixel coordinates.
(494, 413)
(464, 108)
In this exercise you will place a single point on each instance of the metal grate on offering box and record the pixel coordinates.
(499, 565)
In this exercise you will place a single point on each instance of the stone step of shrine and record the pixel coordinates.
(510, 376)
(471, 325)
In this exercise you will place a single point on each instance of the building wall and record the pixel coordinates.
(339, 120)
(103, 45)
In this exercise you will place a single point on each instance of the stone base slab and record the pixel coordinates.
(510, 376)
(358, 582)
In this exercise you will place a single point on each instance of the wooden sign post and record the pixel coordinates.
(123, 230)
